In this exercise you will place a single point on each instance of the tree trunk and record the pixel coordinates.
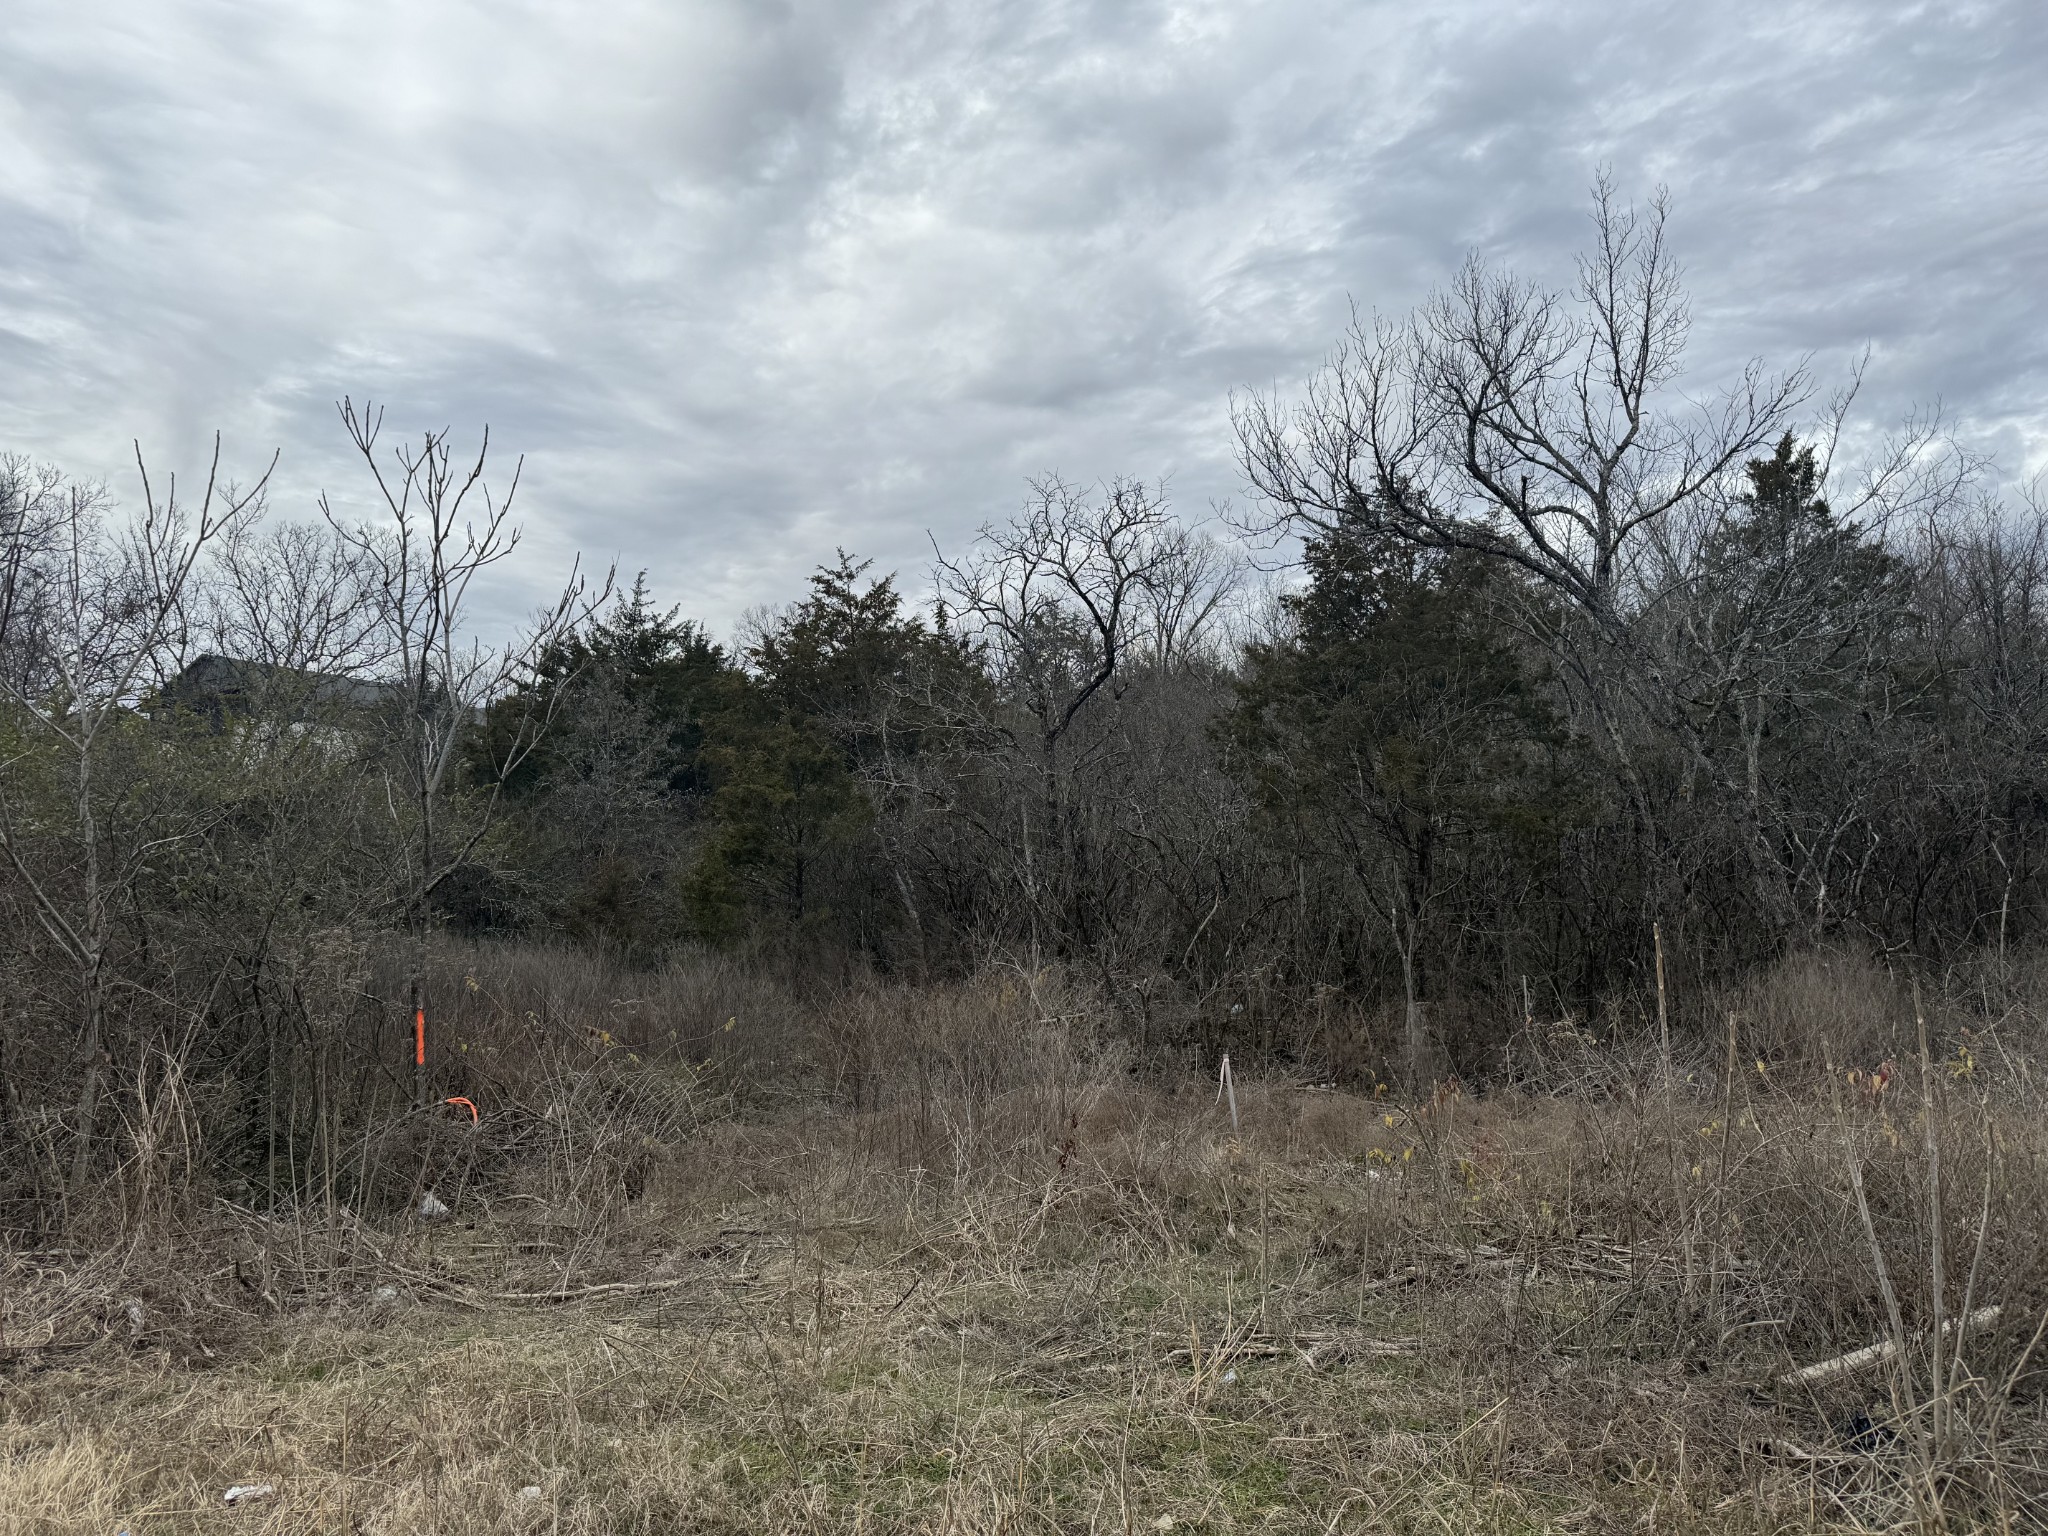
(93, 1052)
(1415, 1020)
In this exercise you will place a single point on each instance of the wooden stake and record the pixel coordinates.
(419, 1048)
(1938, 1400)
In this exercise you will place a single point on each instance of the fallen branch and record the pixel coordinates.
(614, 1288)
(1873, 1354)
(1312, 1348)
(581, 1293)
(1388, 1282)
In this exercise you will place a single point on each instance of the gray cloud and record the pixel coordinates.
(747, 281)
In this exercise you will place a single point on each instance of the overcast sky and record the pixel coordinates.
(748, 280)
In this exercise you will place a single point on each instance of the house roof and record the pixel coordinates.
(212, 683)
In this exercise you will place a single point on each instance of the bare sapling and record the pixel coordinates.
(443, 528)
(1937, 1426)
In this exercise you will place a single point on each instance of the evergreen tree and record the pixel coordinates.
(1397, 732)
(831, 695)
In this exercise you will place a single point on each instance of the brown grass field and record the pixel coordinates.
(1002, 1283)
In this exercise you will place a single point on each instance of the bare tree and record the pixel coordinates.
(1063, 602)
(444, 528)
(1062, 595)
(296, 597)
(1538, 427)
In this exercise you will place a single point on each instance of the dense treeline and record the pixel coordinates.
(1566, 658)
(1403, 781)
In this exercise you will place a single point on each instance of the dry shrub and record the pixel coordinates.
(1840, 997)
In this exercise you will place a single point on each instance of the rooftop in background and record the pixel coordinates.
(217, 685)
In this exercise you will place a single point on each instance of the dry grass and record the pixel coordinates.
(1019, 1289)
